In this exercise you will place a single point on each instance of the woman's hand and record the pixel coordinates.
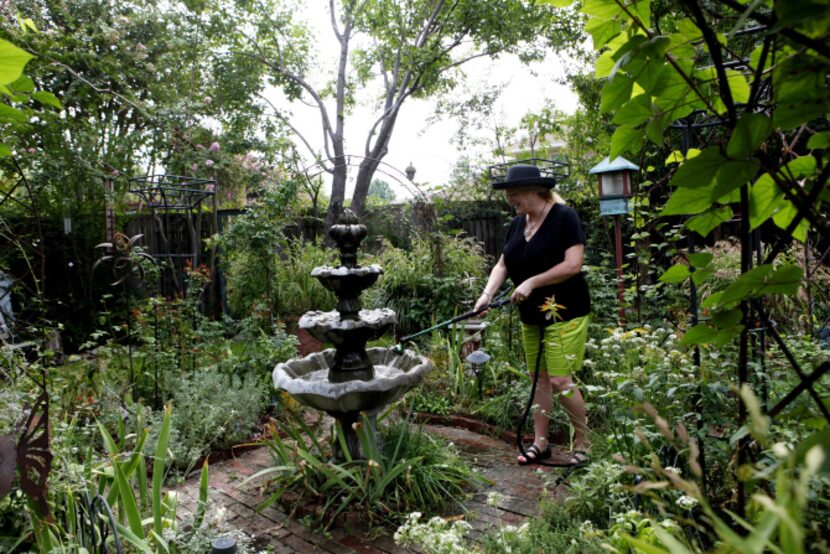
(522, 292)
(482, 301)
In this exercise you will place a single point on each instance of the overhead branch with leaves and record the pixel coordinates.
(389, 52)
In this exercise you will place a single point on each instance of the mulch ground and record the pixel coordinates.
(519, 491)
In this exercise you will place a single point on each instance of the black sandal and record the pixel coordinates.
(538, 455)
(578, 458)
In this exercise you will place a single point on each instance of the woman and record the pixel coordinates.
(543, 255)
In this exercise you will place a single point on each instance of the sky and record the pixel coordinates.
(428, 146)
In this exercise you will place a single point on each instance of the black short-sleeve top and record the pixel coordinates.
(560, 230)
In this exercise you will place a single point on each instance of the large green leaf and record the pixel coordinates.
(12, 62)
(701, 275)
(600, 9)
(12, 115)
(738, 85)
(701, 259)
(819, 140)
(799, 91)
(698, 172)
(763, 280)
(616, 92)
(670, 88)
(749, 134)
(675, 274)
(656, 127)
(746, 285)
(602, 30)
(785, 215)
(47, 99)
(711, 218)
(625, 139)
(689, 201)
(733, 175)
(799, 168)
(785, 280)
(727, 319)
(634, 112)
(765, 198)
(702, 333)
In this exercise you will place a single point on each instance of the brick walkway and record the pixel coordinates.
(519, 489)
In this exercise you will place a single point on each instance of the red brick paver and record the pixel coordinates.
(519, 491)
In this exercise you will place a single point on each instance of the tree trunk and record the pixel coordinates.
(338, 193)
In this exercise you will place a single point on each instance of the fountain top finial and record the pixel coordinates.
(347, 234)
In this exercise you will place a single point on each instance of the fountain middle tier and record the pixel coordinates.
(332, 327)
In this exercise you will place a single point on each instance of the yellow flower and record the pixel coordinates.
(552, 308)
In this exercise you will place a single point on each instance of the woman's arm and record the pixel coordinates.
(570, 266)
(497, 278)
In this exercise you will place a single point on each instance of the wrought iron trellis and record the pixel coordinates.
(177, 214)
(175, 204)
(756, 325)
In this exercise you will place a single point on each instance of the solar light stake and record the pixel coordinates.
(477, 360)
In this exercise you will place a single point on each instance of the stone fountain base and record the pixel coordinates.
(306, 379)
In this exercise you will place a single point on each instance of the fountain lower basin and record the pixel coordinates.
(306, 379)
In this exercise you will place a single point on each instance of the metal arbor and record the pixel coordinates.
(173, 233)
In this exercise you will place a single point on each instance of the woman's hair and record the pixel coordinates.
(550, 194)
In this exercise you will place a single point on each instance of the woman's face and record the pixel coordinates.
(524, 199)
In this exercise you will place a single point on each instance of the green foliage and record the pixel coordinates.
(410, 471)
(429, 283)
(381, 190)
(554, 529)
(651, 61)
(296, 291)
(215, 411)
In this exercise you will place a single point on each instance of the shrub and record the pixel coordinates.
(213, 411)
(435, 280)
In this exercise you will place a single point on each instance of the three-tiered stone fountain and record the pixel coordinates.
(349, 379)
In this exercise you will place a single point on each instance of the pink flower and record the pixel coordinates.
(194, 167)
(208, 163)
(210, 187)
(199, 147)
(31, 150)
(214, 147)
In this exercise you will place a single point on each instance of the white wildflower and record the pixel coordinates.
(686, 502)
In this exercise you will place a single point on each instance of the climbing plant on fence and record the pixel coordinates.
(747, 82)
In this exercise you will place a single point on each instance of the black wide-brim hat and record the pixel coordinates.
(521, 175)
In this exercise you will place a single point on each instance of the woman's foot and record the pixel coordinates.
(579, 455)
(534, 455)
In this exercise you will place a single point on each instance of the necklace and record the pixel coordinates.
(530, 228)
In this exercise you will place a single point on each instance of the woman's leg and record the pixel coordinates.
(541, 416)
(543, 398)
(574, 406)
(564, 352)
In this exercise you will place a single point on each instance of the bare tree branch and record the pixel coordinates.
(288, 123)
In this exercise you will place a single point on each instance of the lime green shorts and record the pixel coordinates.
(564, 346)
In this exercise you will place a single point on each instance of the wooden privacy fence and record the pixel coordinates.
(398, 223)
